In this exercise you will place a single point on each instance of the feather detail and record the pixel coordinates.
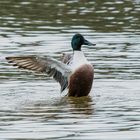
(58, 70)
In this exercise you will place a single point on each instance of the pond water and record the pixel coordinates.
(31, 106)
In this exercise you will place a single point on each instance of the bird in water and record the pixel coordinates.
(73, 73)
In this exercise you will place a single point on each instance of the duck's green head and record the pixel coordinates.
(78, 40)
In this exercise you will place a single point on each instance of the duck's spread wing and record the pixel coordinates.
(58, 70)
(66, 58)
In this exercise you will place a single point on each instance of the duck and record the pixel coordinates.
(74, 72)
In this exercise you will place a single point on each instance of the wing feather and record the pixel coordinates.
(58, 70)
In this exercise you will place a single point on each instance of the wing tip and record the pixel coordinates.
(9, 59)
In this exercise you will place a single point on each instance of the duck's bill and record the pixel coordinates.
(86, 42)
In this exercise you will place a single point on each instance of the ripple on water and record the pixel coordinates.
(112, 108)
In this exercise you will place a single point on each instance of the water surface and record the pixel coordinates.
(31, 106)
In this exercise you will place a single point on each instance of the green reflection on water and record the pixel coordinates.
(98, 15)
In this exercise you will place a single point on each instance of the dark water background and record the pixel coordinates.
(31, 106)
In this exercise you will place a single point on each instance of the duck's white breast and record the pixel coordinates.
(78, 60)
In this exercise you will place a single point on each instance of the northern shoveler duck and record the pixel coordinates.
(74, 72)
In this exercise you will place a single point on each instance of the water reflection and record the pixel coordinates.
(59, 109)
(100, 16)
(83, 105)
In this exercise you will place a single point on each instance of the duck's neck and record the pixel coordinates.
(78, 59)
(79, 56)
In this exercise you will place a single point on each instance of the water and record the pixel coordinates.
(31, 106)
